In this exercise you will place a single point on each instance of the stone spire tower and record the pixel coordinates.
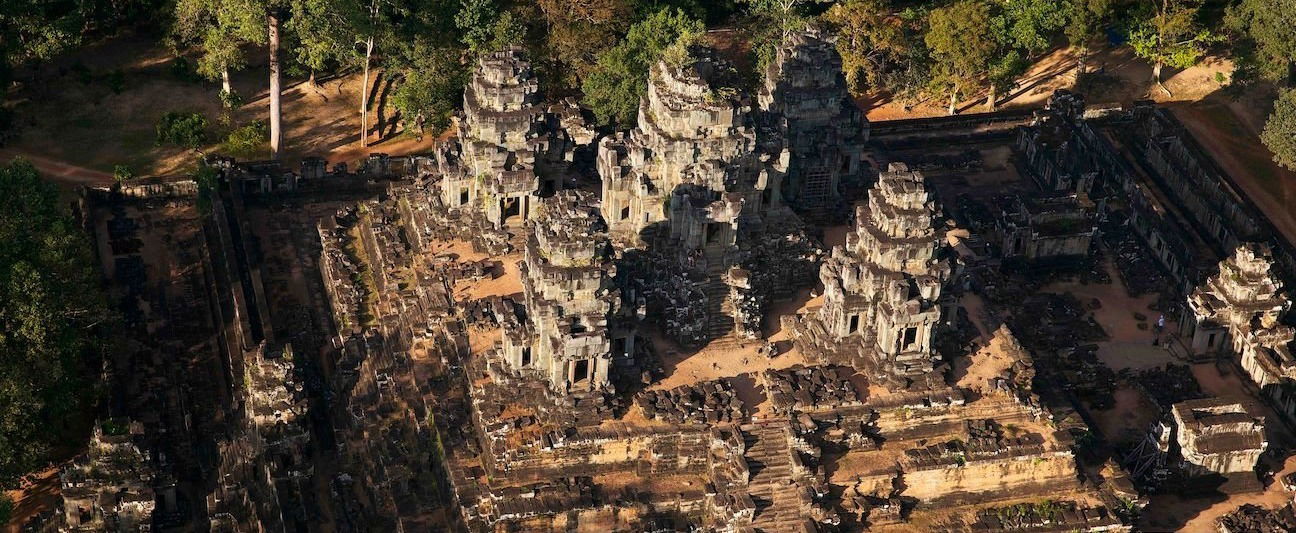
(881, 289)
(567, 282)
(1239, 310)
(693, 161)
(805, 94)
(515, 150)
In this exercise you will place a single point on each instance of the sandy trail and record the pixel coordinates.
(60, 172)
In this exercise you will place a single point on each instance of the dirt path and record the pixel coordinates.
(58, 171)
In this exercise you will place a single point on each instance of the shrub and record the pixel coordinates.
(115, 80)
(184, 70)
(6, 508)
(247, 141)
(1280, 130)
(188, 130)
(122, 173)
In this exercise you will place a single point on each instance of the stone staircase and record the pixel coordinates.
(769, 459)
(720, 320)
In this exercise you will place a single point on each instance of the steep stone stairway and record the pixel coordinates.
(769, 460)
(719, 315)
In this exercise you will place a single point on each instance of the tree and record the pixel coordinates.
(1003, 75)
(431, 89)
(961, 43)
(276, 93)
(221, 28)
(1280, 130)
(35, 31)
(1167, 33)
(1269, 24)
(486, 27)
(51, 310)
(188, 130)
(1084, 22)
(1030, 25)
(577, 31)
(620, 77)
(324, 33)
(871, 40)
(786, 16)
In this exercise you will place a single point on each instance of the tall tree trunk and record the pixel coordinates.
(364, 94)
(1156, 77)
(226, 88)
(953, 107)
(992, 99)
(276, 130)
(1081, 57)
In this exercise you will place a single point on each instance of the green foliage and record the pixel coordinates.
(32, 31)
(620, 77)
(122, 173)
(183, 70)
(1169, 34)
(6, 508)
(711, 12)
(249, 141)
(231, 100)
(1280, 130)
(1270, 26)
(114, 427)
(221, 29)
(1029, 25)
(207, 180)
(962, 45)
(115, 79)
(485, 26)
(1005, 70)
(771, 22)
(187, 130)
(50, 305)
(326, 31)
(1084, 19)
(431, 89)
(880, 50)
(576, 32)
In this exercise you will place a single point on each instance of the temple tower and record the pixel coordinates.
(693, 162)
(569, 297)
(881, 288)
(805, 94)
(515, 150)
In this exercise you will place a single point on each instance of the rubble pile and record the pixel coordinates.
(669, 294)
(1169, 385)
(1047, 515)
(707, 402)
(801, 388)
(1138, 271)
(1251, 518)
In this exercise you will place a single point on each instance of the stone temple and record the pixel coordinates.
(539, 326)
(565, 332)
(805, 95)
(882, 289)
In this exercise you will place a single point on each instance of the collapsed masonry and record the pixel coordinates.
(109, 487)
(881, 290)
(1238, 311)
